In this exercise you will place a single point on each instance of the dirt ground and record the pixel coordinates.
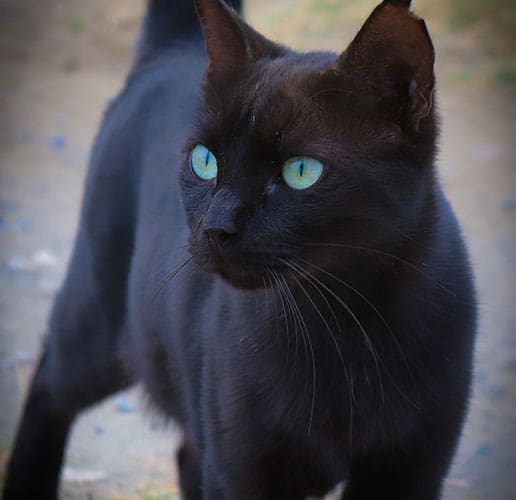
(60, 63)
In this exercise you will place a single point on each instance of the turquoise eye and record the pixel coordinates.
(204, 163)
(301, 172)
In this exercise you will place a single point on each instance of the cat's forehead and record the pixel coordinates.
(287, 78)
(278, 92)
(284, 102)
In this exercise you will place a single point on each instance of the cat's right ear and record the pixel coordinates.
(231, 43)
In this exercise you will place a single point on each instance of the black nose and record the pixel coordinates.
(219, 236)
(220, 222)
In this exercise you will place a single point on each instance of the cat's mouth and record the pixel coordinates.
(243, 276)
(248, 270)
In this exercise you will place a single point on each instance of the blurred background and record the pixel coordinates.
(60, 63)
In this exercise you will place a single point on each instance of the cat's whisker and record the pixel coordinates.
(269, 289)
(163, 284)
(386, 254)
(181, 247)
(305, 336)
(314, 305)
(303, 273)
(382, 319)
(265, 283)
(297, 328)
(348, 376)
(308, 342)
(366, 336)
(364, 298)
(285, 315)
(375, 309)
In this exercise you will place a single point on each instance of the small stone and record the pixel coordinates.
(124, 405)
(72, 475)
(483, 449)
(99, 430)
(45, 258)
(57, 142)
(459, 483)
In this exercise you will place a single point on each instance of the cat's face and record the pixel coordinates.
(293, 155)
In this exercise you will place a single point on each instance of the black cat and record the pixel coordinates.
(279, 268)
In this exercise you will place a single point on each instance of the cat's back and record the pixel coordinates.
(131, 183)
(157, 102)
(163, 94)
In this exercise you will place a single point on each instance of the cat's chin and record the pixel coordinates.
(247, 280)
(239, 276)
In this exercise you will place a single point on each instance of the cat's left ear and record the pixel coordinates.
(230, 42)
(394, 50)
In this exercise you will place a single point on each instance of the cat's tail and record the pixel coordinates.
(168, 22)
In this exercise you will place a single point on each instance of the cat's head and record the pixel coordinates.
(295, 156)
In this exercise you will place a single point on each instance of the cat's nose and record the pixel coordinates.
(219, 236)
(220, 222)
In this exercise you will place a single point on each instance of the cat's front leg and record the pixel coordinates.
(245, 487)
(190, 470)
(211, 486)
(251, 475)
(407, 475)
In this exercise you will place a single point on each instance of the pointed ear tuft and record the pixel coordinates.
(225, 42)
(394, 48)
(404, 3)
(230, 42)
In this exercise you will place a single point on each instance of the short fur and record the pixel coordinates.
(301, 338)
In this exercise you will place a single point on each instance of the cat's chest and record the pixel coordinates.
(316, 384)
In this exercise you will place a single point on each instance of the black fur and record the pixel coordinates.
(300, 338)
(168, 22)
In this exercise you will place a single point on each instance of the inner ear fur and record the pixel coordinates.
(393, 50)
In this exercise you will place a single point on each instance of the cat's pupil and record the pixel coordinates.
(301, 169)
(207, 159)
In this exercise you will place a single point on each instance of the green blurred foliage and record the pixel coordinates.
(76, 24)
(475, 39)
